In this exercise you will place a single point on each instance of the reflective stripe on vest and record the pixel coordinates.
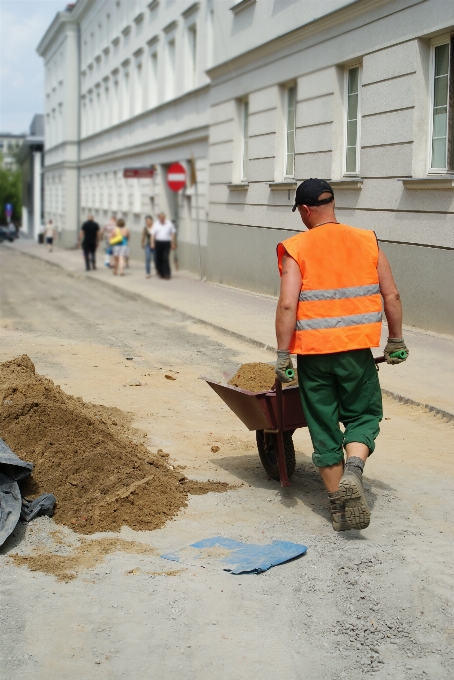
(338, 321)
(339, 293)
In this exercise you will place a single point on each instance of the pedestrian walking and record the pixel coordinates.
(89, 239)
(333, 280)
(146, 245)
(163, 240)
(106, 233)
(119, 241)
(49, 234)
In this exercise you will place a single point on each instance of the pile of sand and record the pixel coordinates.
(103, 476)
(256, 377)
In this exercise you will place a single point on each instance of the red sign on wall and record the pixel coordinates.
(176, 177)
(139, 173)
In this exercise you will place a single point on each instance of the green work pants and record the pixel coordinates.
(341, 387)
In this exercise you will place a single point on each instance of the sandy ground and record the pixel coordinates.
(378, 601)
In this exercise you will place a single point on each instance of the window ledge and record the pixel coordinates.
(282, 186)
(193, 8)
(430, 182)
(240, 6)
(241, 186)
(346, 183)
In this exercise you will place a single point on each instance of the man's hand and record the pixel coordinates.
(282, 364)
(395, 345)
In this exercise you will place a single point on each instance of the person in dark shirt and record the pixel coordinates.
(89, 239)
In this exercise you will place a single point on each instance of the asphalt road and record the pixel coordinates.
(375, 602)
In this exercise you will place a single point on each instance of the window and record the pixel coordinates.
(125, 97)
(352, 121)
(153, 84)
(170, 71)
(138, 89)
(210, 37)
(440, 108)
(192, 55)
(244, 140)
(115, 101)
(290, 139)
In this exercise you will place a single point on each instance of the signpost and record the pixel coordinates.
(138, 173)
(176, 177)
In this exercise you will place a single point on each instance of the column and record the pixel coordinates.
(37, 208)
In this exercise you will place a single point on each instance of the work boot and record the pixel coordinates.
(352, 494)
(337, 509)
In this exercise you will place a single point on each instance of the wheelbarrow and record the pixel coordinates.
(274, 415)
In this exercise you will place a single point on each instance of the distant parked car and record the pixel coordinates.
(6, 235)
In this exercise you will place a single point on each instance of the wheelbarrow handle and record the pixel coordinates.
(279, 436)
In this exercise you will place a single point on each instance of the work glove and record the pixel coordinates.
(395, 345)
(282, 364)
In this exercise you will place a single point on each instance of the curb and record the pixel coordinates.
(445, 415)
(427, 407)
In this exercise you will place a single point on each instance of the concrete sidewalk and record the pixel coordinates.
(427, 378)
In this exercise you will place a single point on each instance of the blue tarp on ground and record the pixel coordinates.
(238, 557)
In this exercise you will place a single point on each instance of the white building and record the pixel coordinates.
(264, 93)
(30, 157)
(126, 86)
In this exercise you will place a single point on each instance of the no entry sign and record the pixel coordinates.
(176, 177)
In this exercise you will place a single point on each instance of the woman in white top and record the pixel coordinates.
(49, 234)
(162, 240)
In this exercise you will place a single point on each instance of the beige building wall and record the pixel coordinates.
(392, 45)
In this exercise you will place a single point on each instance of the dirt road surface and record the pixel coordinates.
(377, 602)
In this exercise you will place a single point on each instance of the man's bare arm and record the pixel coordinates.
(391, 297)
(288, 302)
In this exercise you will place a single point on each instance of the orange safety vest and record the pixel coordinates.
(339, 306)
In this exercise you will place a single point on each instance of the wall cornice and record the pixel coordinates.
(63, 23)
(179, 138)
(339, 16)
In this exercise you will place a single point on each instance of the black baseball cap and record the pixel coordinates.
(308, 192)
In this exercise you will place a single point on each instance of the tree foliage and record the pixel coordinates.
(10, 192)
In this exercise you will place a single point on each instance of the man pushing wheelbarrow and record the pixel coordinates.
(333, 280)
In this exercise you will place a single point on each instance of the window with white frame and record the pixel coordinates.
(353, 119)
(440, 77)
(125, 96)
(192, 56)
(115, 101)
(290, 132)
(244, 139)
(210, 36)
(138, 88)
(170, 70)
(153, 81)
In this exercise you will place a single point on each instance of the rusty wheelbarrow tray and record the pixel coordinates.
(274, 415)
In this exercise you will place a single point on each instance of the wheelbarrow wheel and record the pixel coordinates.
(266, 444)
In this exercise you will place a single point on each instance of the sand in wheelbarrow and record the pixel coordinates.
(256, 377)
(89, 456)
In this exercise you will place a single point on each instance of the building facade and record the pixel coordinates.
(263, 94)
